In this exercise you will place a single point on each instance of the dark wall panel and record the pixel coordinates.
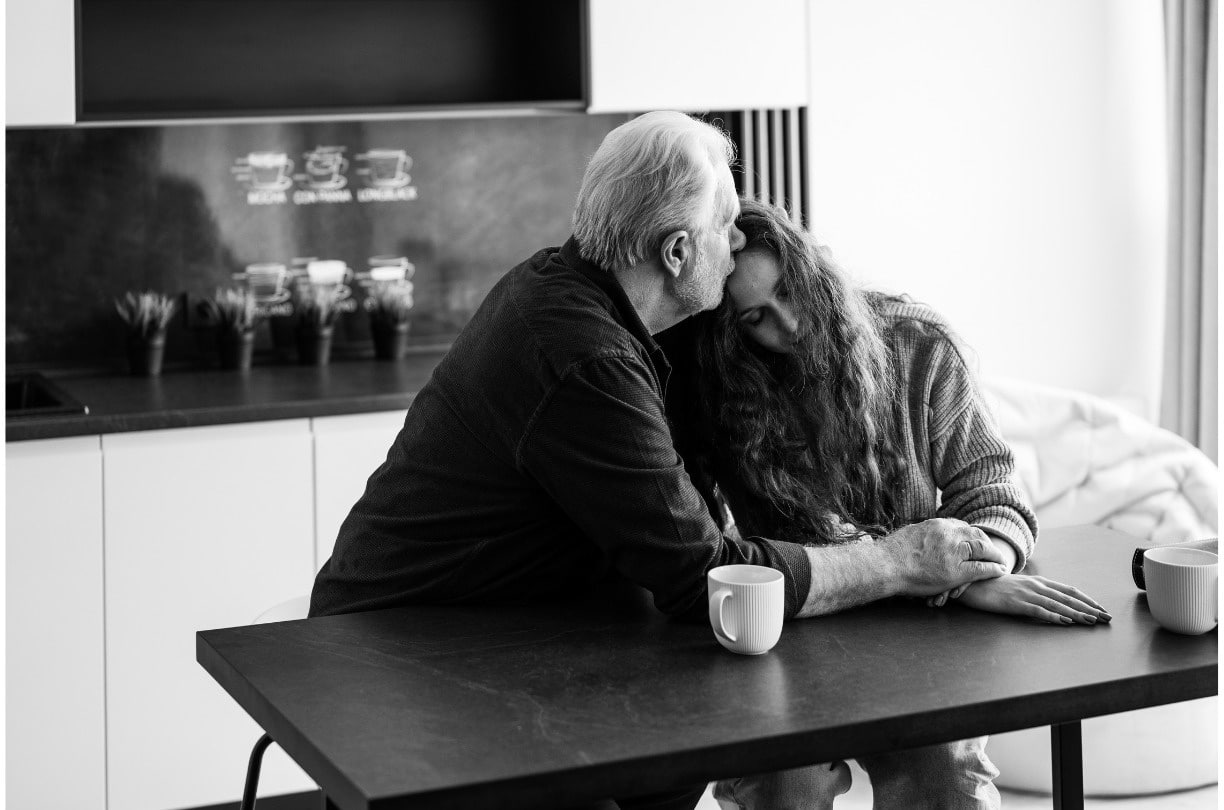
(92, 213)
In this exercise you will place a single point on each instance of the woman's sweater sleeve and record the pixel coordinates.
(972, 465)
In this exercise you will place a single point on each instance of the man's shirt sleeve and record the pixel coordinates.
(600, 446)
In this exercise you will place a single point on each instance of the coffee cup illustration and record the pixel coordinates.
(386, 168)
(270, 171)
(391, 268)
(266, 281)
(332, 274)
(325, 167)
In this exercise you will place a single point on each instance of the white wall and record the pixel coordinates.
(1003, 161)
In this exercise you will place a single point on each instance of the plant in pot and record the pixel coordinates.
(388, 308)
(232, 314)
(146, 316)
(314, 316)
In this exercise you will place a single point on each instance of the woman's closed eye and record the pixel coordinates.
(752, 317)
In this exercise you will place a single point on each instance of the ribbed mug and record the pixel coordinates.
(746, 607)
(1182, 588)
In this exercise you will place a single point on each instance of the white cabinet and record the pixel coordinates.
(697, 55)
(692, 55)
(40, 62)
(205, 527)
(113, 566)
(347, 450)
(55, 735)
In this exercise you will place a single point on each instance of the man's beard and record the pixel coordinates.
(699, 287)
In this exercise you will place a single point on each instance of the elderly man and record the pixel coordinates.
(538, 459)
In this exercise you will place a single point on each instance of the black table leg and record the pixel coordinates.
(1066, 750)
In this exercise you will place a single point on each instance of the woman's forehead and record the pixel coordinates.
(756, 275)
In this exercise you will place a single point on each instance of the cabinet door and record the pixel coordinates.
(205, 528)
(40, 62)
(347, 450)
(55, 754)
(697, 55)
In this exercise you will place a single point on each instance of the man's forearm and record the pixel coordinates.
(847, 576)
(920, 559)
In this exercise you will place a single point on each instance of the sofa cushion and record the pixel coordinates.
(1082, 459)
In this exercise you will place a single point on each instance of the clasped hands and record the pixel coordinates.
(943, 559)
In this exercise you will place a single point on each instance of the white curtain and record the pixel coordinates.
(1190, 395)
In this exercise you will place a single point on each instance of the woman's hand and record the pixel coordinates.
(1035, 597)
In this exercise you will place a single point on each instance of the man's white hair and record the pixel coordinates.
(648, 178)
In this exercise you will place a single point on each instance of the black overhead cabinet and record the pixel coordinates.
(160, 59)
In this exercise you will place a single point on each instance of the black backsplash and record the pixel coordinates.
(93, 213)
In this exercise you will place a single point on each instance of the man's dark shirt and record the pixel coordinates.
(538, 460)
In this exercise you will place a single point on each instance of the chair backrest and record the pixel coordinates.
(1083, 459)
(290, 609)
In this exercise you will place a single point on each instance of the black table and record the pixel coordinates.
(556, 704)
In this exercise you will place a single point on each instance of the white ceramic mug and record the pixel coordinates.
(746, 607)
(1182, 588)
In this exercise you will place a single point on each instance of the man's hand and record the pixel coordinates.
(1036, 597)
(1009, 562)
(941, 554)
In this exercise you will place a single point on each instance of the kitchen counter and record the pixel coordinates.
(196, 398)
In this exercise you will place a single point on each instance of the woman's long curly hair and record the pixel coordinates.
(810, 435)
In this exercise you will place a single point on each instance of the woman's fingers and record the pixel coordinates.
(1062, 608)
(1073, 597)
(1076, 593)
(1042, 614)
(938, 600)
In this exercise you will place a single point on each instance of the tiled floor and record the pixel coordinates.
(859, 798)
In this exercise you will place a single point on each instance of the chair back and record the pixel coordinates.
(290, 609)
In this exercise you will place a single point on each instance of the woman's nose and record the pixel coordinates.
(788, 322)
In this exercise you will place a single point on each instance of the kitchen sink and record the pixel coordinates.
(32, 394)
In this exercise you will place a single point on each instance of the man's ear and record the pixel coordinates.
(675, 251)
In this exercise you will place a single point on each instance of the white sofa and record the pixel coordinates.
(1082, 459)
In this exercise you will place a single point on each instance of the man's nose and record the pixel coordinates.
(738, 240)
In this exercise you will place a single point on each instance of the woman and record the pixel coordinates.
(826, 414)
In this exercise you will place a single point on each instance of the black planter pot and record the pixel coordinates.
(390, 340)
(284, 335)
(145, 354)
(314, 345)
(236, 348)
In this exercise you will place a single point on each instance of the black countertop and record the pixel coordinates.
(176, 399)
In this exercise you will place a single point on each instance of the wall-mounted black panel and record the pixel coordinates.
(94, 212)
(189, 58)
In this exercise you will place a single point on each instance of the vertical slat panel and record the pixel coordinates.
(777, 158)
(772, 151)
(804, 201)
(761, 137)
(729, 120)
(748, 153)
(794, 153)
